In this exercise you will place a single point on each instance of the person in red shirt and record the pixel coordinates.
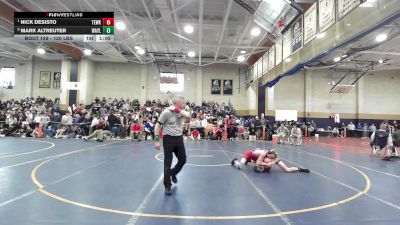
(218, 133)
(136, 131)
(229, 127)
(195, 135)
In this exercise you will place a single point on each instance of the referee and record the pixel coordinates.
(171, 121)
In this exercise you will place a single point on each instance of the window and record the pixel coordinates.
(7, 77)
(171, 82)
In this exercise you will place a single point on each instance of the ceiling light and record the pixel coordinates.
(191, 54)
(380, 61)
(381, 37)
(240, 58)
(255, 31)
(288, 59)
(120, 25)
(368, 4)
(243, 52)
(87, 52)
(321, 35)
(337, 59)
(349, 24)
(344, 56)
(41, 50)
(188, 29)
(141, 51)
(137, 47)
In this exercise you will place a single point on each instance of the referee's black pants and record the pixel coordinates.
(173, 144)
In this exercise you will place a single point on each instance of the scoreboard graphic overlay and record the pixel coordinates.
(64, 26)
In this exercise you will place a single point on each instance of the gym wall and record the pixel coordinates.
(375, 96)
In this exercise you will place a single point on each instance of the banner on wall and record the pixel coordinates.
(297, 35)
(57, 76)
(345, 6)
(228, 87)
(326, 9)
(271, 57)
(265, 63)
(310, 23)
(215, 87)
(278, 51)
(286, 45)
(56, 79)
(45, 79)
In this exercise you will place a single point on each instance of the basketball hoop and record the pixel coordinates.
(342, 89)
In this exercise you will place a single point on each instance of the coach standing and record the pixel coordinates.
(171, 121)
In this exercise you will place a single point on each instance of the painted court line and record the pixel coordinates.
(31, 152)
(58, 181)
(266, 199)
(143, 204)
(17, 198)
(350, 187)
(53, 156)
(197, 217)
(274, 207)
(352, 164)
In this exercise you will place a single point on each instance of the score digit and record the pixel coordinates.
(108, 21)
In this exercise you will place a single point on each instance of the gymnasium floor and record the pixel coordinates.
(116, 183)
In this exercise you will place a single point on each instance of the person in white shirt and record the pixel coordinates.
(45, 120)
(66, 119)
(29, 117)
(351, 128)
(283, 132)
(94, 123)
(295, 135)
(37, 120)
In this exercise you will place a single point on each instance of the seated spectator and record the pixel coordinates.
(283, 133)
(312, 130)
(195, 135)
(295, 135)
(351, 128)
(149, 129)
(60, 131)
(136, 131)
(51, 132)
(100, 133)
(335, 132)
(218, 132)
(252, 132)
(115, 125)
(242, 133)
(67, 119)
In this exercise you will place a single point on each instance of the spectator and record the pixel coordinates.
(372, 128)
(67, 119)
(295, 135)
(252, 132)
(195, 135)
(136, 131)
(351, 129)
(149, 128)
(283, 133)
